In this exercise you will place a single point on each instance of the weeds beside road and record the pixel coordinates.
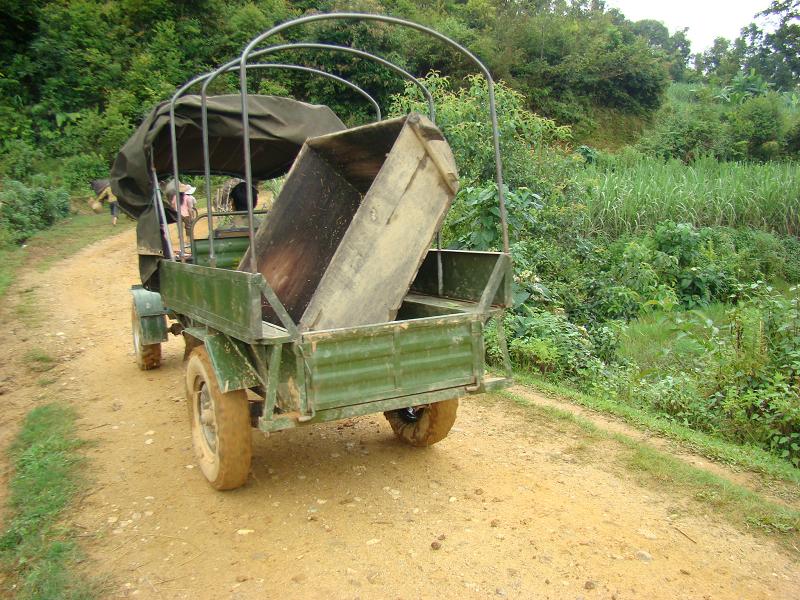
(38, 552)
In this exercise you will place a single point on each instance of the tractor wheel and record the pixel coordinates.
(423, 425)
(148, 356)
(220, 425)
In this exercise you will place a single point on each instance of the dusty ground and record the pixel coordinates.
(507, 506)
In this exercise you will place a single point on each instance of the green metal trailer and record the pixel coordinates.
(244, 371)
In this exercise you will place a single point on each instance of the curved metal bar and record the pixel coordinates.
(212, 258)
(204, 122)
(341, 80)
(355, 51)
(174, 145)
(208, 78)
(385, 19)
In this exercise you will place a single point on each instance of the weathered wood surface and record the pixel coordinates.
(354, 221)
(295, 244)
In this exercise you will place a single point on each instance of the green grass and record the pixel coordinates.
(10, 260)
(655, 343)
(72, 235)
(744, 456)
(38, 360)
(611, 129)
(654, 469)
(37, 551)
(634, 193)
(64, 239)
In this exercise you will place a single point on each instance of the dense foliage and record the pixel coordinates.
(26, 209)
(744, 120)
(661, 275)
(76, 76)
(772, 53)
(641, 279)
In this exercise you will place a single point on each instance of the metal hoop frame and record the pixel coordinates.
(210, 76)
(249, 51)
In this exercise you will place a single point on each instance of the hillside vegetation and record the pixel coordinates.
(661, 275)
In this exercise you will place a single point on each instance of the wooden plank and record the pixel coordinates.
(296, 242)
(388, 238)
(353, 222)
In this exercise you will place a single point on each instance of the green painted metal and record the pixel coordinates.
(372, 363)
(418, 306)
(233, 363)
(225, 300)
(344, 412)
(153, 330)
(435, 350)
(147, 303)
(465, 275)
(228, 251)
(151, 314)
(277, 306)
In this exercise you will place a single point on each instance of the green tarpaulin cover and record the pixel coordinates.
(278, 128)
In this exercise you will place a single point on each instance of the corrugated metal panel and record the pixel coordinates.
(400, 360)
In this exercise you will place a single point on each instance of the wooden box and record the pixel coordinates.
(353, 222)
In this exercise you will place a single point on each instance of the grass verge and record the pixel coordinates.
(38, 554)
(654, 469)
(747, 457)
(64, 239)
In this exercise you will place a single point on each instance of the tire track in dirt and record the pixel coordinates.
(509, 505)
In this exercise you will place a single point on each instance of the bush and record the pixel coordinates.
(24, 210)
(758, 123)
(687, 134)
(548, 342)
(462, 115)
(721, 123)
(17, 159)
(77, 171)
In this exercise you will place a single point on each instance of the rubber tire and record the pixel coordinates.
(433, 426)
(148, 356)
(228, 466)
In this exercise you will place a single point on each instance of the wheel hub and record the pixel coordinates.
(411, 414)
(208, 421)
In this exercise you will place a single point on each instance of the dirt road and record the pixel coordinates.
(507, 506)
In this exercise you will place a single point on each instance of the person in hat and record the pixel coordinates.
(187, 203)
(103, 193)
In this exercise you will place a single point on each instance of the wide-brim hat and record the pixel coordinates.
(184, 187)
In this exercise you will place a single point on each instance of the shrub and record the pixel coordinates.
(24, 210)
(687, 134)
(548, 342)
(77, 171)
(462, 114)
(17, 159)
(758, 123)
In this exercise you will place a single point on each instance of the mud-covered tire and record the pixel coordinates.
(220, 425)
(424, 425)
(148, 356)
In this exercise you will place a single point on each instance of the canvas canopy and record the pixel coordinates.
(278, 129)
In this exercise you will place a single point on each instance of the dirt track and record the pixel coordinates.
(516, 507)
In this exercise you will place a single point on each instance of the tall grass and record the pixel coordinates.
(631, 192)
